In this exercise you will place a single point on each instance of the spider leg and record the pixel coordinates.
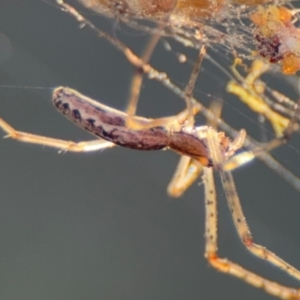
(172, 123)
(192, 106)
(244, 233)
(191, 85)
(187, 171)
(137, 80)
(62, 145)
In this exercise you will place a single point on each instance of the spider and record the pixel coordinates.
(185, 37)
(204, 148)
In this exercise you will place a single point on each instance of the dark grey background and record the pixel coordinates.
(100, 225)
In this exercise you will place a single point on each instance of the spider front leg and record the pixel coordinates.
(244, 233)
(62, 145)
